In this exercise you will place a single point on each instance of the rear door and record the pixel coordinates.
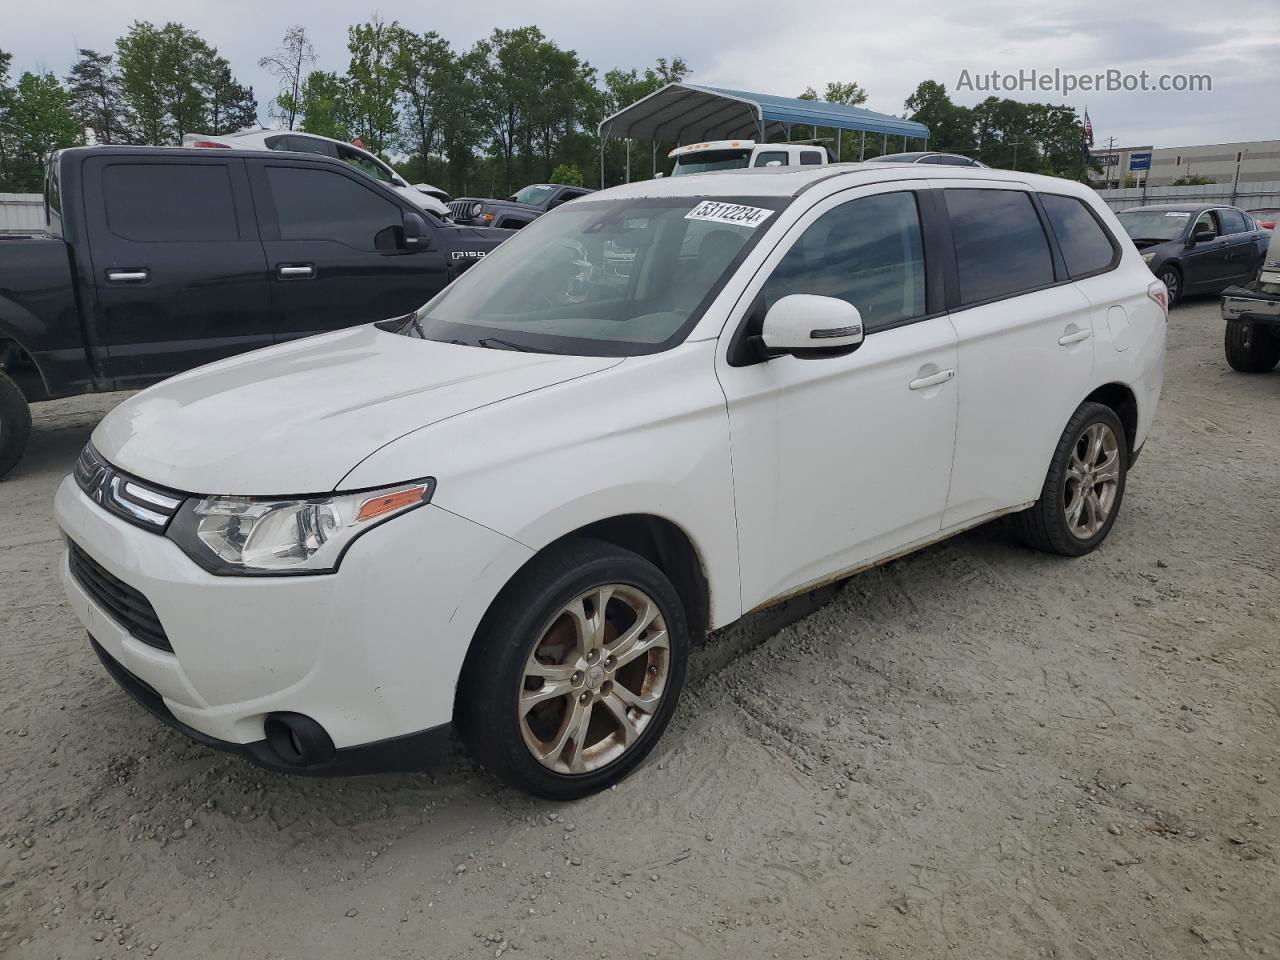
(179, 271)
(1240, 248)
(1025, 346)
(335, 248)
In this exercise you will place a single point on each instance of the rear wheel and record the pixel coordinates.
(575, 672)
(1250, 348)
(1082, 492)
(15, 423)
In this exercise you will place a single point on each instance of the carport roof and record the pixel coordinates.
(686, 113)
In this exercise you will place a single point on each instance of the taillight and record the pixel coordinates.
(1160, 294)
(1268, 224)
(210, 143)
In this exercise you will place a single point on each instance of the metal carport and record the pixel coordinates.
(682, 113)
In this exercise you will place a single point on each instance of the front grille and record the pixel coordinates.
(461, 209)
(140, 503)
(127, 606)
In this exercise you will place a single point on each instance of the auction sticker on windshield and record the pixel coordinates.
(738, 214)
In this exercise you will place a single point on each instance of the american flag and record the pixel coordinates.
(1088, 128)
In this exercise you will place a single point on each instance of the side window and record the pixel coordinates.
(279, 142)
(364, 164)
(1232, 222)
(1205, 224)
(169, 202)
(308, 145)
(325, 205)
(771, 158)
(809, 158)
(934, 158)
(1001, 249)
(1086, 245)
(868, 252)
(950, 161)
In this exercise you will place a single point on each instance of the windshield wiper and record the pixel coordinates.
(485, 341)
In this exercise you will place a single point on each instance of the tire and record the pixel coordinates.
(15, 423)
(1250, 348)
(1171, 277)
(1046, 526)
(531, 614)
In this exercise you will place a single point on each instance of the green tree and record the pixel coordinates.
(97, 97)
(372, 86)
(161, 71)
(623, 88)
(567, 174)
(851, 94)
(424, 64)
(38, 120)
(228, 105)
(7, 128)
(288, 65)
(324, 105)
(506, 92)
(950, 126)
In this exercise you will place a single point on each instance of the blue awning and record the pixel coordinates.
(687, 113)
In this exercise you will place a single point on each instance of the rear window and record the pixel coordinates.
(1001, 249)
(809, 158)
(169, 202)
(705, 160)
(316, 204)
(1086, 245)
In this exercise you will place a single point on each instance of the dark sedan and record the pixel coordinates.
(1196, 248)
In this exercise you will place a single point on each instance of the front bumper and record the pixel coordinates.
(1241, 303)
(370, 653)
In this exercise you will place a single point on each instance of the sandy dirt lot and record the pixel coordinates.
(974, 752)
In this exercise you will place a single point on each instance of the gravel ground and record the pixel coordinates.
(973, 752)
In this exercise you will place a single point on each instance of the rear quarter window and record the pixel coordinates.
(1001, 248)
(1087, 246)
(170, 202)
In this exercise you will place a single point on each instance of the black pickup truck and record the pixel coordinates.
(156, 260)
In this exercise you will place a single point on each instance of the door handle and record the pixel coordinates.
(1069, 338)
(296, 271)
(128, 276)
(942, 376)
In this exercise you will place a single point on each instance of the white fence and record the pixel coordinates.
(21, 213)
(1247, 196)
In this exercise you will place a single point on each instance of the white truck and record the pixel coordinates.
(740, 154)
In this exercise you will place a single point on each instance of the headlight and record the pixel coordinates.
(1148, 257)
(476, 208)
(299, 535)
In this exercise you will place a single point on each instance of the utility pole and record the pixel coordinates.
(1111, 158)
(1015, 152)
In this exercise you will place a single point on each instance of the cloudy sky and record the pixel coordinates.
(776, 47)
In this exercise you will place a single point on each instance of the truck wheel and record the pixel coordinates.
(1083, 489)
(1250, 348)
(15, 423)
(575, 671)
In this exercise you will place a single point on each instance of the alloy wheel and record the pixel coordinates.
(1170, 280)
(1093, 480)
(594, 679)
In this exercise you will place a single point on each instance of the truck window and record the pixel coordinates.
(809, 158)
(771, 158)
(325, 205)
(169, 202)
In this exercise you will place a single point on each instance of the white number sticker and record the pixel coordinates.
(736, 214)
(1179, 214)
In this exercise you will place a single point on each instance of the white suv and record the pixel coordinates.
(514, 510)
(719, 155)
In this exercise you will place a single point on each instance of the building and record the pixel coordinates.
(1230, 164)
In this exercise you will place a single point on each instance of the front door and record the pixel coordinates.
(335, 251)
(840, 460)
(179, 274)
(1205, 264)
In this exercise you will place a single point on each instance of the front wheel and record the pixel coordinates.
(1171, 277)
(575, 672)
(1082, 492)
(1250, 348)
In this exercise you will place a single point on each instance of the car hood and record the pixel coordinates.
(298, 417)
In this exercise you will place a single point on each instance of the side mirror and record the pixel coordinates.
(807, 326)
(417, 236)
(1201, 236)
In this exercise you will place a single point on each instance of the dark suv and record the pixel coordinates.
(518, 210)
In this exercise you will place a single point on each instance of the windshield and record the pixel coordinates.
(1154, 225)
(711, 160)
(600, 278)
(535, 194)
